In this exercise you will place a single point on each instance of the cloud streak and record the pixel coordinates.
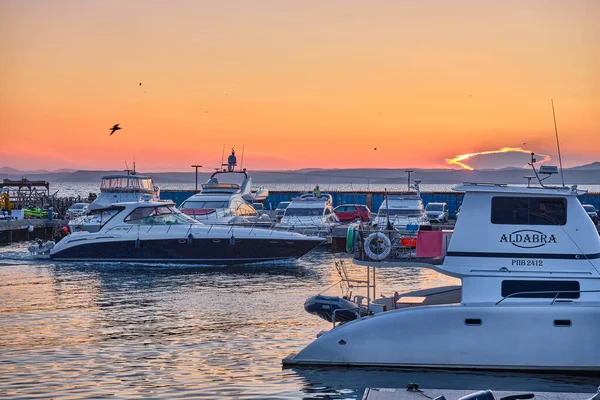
(458, 160)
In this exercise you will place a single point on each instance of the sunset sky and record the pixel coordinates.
(298, 84)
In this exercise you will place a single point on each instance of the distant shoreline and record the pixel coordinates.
(582, 175)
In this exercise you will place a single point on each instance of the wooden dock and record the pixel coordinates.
(422, 394)
(19, 230)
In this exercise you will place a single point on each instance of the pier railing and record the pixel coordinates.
(373, 245)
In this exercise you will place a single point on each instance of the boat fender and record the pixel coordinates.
(232, 241)
(351, 237)
(190, 239)
(137, 243)
(384, 245)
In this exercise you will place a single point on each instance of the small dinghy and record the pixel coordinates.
(41, 248)
(325, 306)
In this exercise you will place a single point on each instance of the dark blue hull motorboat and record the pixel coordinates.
(326, 306)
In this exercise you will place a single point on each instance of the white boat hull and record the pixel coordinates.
(509, 337)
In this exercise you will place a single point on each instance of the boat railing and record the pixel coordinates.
(379, 245)
(419, 244)
(557, 294)
(355, 310)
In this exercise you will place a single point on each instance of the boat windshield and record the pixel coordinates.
(283, 205)
(434, 207)
(395, 212)
(589, 208)
(203, 205)
(236, 178)
(304, 212)
(126, 183)
(161, 215)
(100, 216)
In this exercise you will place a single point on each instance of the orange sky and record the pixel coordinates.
(298, 83)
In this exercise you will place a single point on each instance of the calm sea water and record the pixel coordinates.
(83, 189)
(82, 330)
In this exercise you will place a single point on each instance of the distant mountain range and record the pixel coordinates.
(584, 174)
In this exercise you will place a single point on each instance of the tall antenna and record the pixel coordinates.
(562, 176)
(409, 171)
(222, 155)
(242, 166)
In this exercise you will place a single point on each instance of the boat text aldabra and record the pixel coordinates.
(158, 232)
(528, 259)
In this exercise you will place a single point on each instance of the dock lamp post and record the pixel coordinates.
(409, 171)
(196, 166)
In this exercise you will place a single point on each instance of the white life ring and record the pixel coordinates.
(381, 237)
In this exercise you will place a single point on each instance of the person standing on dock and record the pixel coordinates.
(317, 192)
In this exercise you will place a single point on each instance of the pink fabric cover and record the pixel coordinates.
(429, 244)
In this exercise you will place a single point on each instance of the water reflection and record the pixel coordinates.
(339, 382)
(135, 330)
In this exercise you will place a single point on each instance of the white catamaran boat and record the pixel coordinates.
(529, 263)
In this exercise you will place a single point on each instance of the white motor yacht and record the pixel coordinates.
(529, 263)
(310, 214)
(223, 209)
(115, 189)
(403, 212)
(151, 231)
(226, 199)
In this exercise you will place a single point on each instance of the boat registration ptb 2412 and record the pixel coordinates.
(528, 263)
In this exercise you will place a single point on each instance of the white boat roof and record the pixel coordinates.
(131, 176)
(202, 196)
(308, 204)
(504, 188)
(310, 201)
(143, 203)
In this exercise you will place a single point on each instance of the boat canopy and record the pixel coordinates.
(127, 183)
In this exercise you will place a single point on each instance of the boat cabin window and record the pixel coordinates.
(541, 289)
(101, 216)
(106, 215)
(529, 211)
(203, 205)
(161, 215)
(304, 212)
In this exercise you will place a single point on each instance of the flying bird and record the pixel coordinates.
(115, 128)
(140, 83)
(375, 148)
